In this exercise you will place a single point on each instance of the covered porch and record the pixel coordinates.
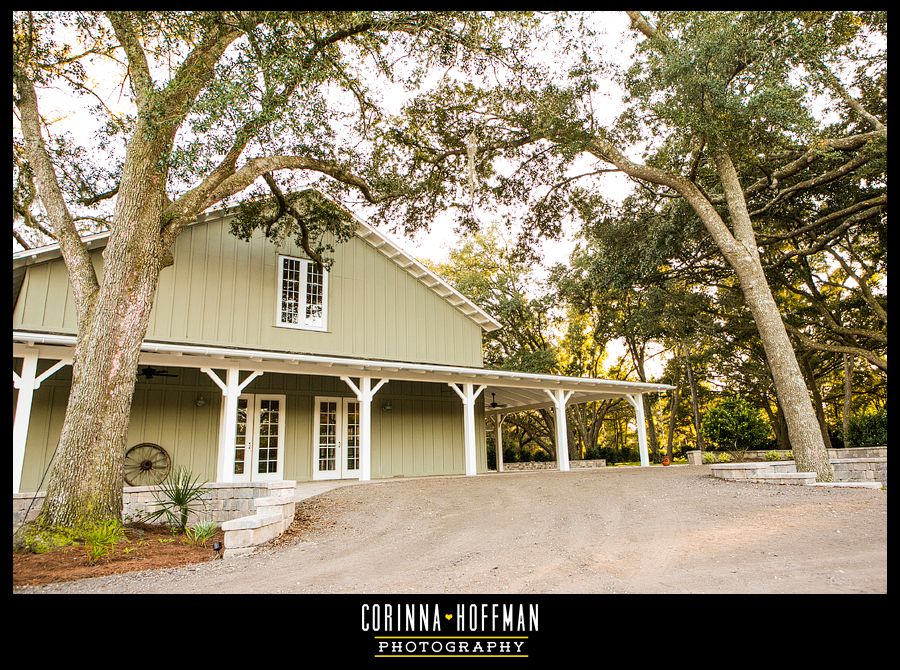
(230, 374)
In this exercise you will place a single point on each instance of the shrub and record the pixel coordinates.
(540, 456)
(725, 458)
(773, 456)
(868, 430)
(709, 457)
(200, 532)
(101, 538)
(736, 426)
(177, 497)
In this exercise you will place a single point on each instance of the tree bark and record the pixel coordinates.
(818, 405)
(86, 480)
(673, 414)
(694, 407)
(845, 415)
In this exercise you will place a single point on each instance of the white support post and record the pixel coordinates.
(25, 383)
(231, 389)
(364, 393)
(498, 435)
(637, 401)
(365, 429)
(468, 395)
(560, 398)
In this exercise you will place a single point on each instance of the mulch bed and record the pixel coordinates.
(147, 547)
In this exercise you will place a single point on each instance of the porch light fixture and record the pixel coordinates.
(200, 401)
(387, 406)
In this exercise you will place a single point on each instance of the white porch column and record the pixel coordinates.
(637, 401)
(498, 434)
(364, 393)
(231, 389)
(27, 383)
(560, 398)
(468, 396)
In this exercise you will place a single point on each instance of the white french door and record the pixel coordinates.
(259, 438)
(336, 438)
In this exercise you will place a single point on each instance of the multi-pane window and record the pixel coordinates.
(302, 293)
(328, 436)
(240, 445)
(353, 436)
(268, 436)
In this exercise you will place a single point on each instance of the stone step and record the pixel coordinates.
(797, 478)
(847, 485)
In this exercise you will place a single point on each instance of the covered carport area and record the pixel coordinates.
(521, 392)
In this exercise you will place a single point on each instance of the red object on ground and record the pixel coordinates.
(666, 460)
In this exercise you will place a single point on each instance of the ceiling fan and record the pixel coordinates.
(150, 372)
(494, 404)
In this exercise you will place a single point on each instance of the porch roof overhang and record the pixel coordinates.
(512, 391)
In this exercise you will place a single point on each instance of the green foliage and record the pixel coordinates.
(200, 532)
(613, 456)
(177, 497)
(315, 222)
(540, 456)
(101, 538)
(709, 457)
(734, 425)
(773, 456)
(868, 430)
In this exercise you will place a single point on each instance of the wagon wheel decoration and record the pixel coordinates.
(146, 464)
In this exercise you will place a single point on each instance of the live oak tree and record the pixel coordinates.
(720, 106)
(216, 100)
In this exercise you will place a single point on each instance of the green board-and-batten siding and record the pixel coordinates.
(421, 435)
(221, 291)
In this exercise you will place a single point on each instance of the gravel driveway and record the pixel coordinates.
(613, 530)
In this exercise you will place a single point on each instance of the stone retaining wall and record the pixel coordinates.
(847, 471)
(551, 465)
(223, 502)
(853, 452)
(860, 470)
(273, 516)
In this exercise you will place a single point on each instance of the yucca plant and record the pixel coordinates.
(200, 532)
(178, 496)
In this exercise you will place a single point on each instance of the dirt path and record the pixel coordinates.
(617, 530)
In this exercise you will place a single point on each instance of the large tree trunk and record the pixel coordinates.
(85, 485)
(673, 415)
(776, 420)
(803, 426)
(818, 405)
(845, 415)
(694, 406)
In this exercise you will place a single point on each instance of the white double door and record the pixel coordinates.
(336, 438)
(259, 438)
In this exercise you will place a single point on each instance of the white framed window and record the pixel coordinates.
(302, 294)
